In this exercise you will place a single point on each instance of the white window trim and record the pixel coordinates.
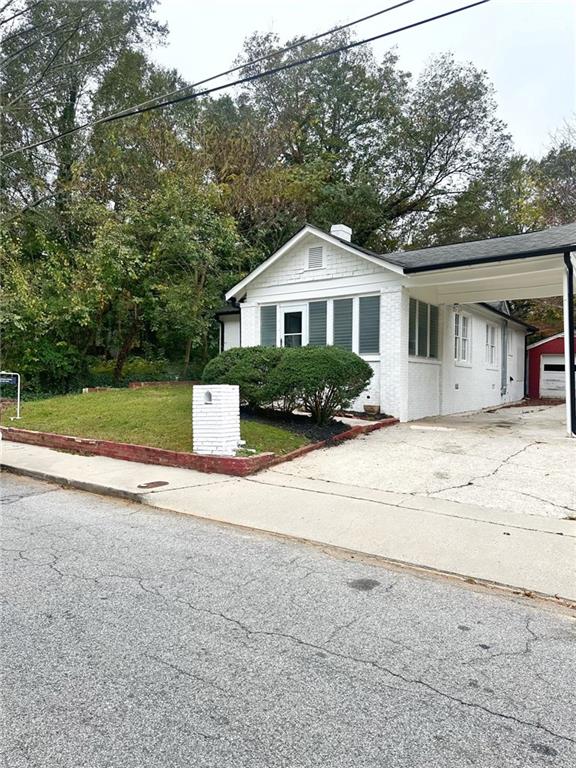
(458, 360)
(427, 359)
(303, 306)
(491, 365)
(291, 307)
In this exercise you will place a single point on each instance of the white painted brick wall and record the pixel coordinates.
(371, 395)
(216, 419)
(392, 332)
(423, 389)
(450, 387)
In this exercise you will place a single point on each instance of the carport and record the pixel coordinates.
(531, 266)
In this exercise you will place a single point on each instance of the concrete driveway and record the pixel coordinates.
(512, 460)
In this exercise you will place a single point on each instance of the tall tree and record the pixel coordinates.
(55, 55)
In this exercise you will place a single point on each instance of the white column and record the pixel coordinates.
(568, 358)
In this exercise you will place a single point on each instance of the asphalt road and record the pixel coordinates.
(136, 638)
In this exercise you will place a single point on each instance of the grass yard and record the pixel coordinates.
(160, 417)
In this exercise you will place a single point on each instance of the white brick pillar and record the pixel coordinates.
(216, 419)
(394, 352)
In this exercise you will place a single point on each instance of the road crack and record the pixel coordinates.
(239, 625)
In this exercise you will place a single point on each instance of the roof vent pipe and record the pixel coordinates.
(341, 231)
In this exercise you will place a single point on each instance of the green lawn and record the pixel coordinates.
(156, 416)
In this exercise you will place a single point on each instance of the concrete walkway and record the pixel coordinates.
(524, 552)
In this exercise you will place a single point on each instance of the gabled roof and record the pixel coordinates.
(546, 340)
(310, 229)
(554, 240)
(546, 241)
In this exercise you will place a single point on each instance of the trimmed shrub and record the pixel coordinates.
(248, 367)
(322, 379)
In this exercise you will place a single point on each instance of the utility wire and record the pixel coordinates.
(129, 110)
(266, 73)
(265, 57)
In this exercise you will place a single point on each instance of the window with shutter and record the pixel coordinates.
(268, 326)
(433, 348)
(315, 257)
(423, 329)
(317, 312)
(343, 323)
(369, 341)
(412, 327)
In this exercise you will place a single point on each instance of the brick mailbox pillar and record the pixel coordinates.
(216, 419)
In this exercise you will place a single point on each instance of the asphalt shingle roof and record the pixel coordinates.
(552, 240)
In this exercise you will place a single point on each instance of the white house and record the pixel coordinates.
(405, 313)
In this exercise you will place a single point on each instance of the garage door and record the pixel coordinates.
(552, 379)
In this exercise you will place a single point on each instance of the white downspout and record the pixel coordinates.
(568, 309)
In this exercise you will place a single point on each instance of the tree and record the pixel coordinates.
(167, 262)
(499, 202)
(54, 58)
(392, 151)
(555, 179)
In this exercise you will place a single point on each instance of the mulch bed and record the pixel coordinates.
(296, 422)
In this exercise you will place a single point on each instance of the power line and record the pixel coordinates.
(264, 57)
(131, 110)
(266, 73)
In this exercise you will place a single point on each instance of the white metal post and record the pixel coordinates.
(18, 400)
(568, 308)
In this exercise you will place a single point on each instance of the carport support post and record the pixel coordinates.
(569, 367)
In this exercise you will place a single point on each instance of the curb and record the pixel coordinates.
(403, 565)
(79, 485)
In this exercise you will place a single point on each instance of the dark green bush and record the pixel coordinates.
(322, 379)
(248, 367)
(49, 367)
(101, 372)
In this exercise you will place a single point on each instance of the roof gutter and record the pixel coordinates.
(491, 259)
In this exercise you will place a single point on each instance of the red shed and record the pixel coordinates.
(546, 368)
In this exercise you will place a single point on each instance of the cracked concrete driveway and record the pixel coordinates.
(135, 638)
(512, 460)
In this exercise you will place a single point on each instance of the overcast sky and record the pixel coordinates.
(528, 47)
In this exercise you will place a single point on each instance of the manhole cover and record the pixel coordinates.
(154, 484)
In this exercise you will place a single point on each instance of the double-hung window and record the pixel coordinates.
(461, 338)
(490, 344)
(422, 329)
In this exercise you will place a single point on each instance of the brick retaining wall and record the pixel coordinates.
(238, 466)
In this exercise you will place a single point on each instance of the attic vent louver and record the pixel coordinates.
(315, 257)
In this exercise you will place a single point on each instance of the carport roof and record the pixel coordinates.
(547, 241)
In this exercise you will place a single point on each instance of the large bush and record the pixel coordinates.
(101, 373)
(248, 367)
(49, 367)
(321, 379)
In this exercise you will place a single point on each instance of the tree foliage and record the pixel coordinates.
(121, 239)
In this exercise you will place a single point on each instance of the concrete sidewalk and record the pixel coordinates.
(528, 553)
